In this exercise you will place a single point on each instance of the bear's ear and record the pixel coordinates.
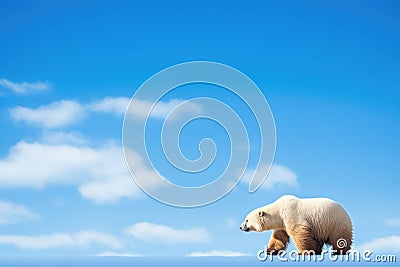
(261, 213)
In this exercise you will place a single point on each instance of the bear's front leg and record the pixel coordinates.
(279, 240)
(305, 241)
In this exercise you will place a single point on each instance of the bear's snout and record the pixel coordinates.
(244, 227)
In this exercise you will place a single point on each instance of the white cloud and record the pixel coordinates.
(100, 173)
(158, 233)
(38, 242)
(44, 164)
(116, 254)
(140, 108)
(67, 112)
(109, 190)
(60, 138)
(218, 253)
(278, 175)
(24, 87)
(13, 213)
(60, 240)
(395, 222)
(113, 188)
(66, 158)
(87, 238)
(231, 223)
(384, 244)
(116, 105)
(56, 114)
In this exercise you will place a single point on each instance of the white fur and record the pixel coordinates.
(327, 220)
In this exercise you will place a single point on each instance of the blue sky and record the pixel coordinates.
(329, 71)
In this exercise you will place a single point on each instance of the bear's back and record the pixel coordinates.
(324, 214)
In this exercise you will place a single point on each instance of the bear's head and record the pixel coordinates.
(261, 220)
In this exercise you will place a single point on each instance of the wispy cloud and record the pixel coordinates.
(62, 138)
(114, 187)
(158, 233)
(116, 254)
(68, 112)
(115, 105)
(141, 108)
(99, 172)
(278, 175)
(384, 244)
(231, 223)
(57, 114)
(13, 213)
(24, 87)
(218, 253)
(88, 238)
(60, 240)
(109, 190)
(395, 222)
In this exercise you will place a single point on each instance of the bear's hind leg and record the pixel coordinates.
(278, 242)
(305, 241)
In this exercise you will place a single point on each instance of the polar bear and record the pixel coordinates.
(310, 222)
